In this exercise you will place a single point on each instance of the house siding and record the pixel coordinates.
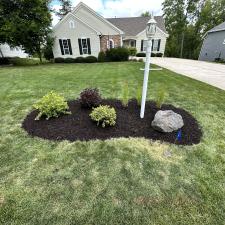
(98, 24)
(213, 47)
(79, 31)
(159, 35)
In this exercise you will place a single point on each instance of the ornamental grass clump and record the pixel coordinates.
(90, 97)
(104, 115)
(160, 98)
(51, 105)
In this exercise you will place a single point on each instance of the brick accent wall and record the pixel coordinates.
(105, 38)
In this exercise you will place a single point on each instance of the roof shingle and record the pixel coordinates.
(134, 25)
(218, 28)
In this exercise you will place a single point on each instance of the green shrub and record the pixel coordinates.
(161, 94)
(132, 51)
(159, 54)
(140, 60)
(153, 54)
(69, 60)
(79, 60)
(125, 94)
(117, 54)
(59, 60)
(51, 105)
(90, 97)
(90, 59)
(4, 61)
(101, 57)
(141, 54)
(104, 115)
(16, 61)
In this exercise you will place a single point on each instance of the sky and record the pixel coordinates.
(118, 8)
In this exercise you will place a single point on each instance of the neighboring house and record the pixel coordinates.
(213, 47)
(7, 51)
(84, 32)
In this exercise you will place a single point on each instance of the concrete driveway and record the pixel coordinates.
(210, 73)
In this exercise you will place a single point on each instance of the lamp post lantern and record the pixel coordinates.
(150, 32)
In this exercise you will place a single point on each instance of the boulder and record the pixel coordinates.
(167, 121)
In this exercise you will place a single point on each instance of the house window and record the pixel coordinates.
(110, 44)
(132, 43)
(145, 43)
(224, 42)
(84, 45)
(71, 24)
(66, 47)
(155, 45)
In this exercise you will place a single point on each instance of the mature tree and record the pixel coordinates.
(187, 21)
(146, 14)
(25, 23)
(66, 7)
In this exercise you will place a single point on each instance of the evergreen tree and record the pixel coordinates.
(146, 14)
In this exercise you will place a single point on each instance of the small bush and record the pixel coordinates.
(51, 105)
(16, 61)
(160, 98)
(140, 60)
(4, 61)
(153, 54)
(90, 59)
(104, 115)
(159, 54)
(101, 57)
(69, 60)
(117, 54)
(125, 94)
(79, 60)
(132, 51)
(90, 97)
(59, 60)
(141, 54)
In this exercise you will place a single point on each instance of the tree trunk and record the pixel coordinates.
(1, 53)
(182, 46)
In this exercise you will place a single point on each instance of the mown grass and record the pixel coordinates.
(118, 181)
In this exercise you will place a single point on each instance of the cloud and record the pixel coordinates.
(120, 8)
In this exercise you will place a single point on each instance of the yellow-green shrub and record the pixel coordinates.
(104, 115)
(51, 105)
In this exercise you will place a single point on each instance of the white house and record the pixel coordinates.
(84, 32)
(7, 51)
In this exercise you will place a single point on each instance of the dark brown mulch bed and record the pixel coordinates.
(79, 126)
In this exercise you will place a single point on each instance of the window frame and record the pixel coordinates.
(71, 24)
(65, 48)
(86, 48)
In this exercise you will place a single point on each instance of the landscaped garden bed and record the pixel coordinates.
(79, 126)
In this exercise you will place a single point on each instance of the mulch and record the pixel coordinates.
(79, 126)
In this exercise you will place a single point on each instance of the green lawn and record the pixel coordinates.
(113, 182)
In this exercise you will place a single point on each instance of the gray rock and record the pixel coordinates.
(167, 121)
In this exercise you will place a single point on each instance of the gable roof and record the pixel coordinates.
(81, 4)
(135, 25)
(220, 27)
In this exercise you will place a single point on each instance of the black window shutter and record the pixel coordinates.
(70, 48)
(142, 43)
(159, 42)
(61, 46)
(89, 46)
(80, 46)
(152, 44)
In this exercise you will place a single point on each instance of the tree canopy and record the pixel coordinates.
(25, 23)
(66, 7)
(187, 21)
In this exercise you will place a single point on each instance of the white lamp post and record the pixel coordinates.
(150, 32)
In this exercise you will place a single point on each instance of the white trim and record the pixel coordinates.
(71, 24)
(70, 14)
(213, 31)
(167, 35)
(97, 15)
